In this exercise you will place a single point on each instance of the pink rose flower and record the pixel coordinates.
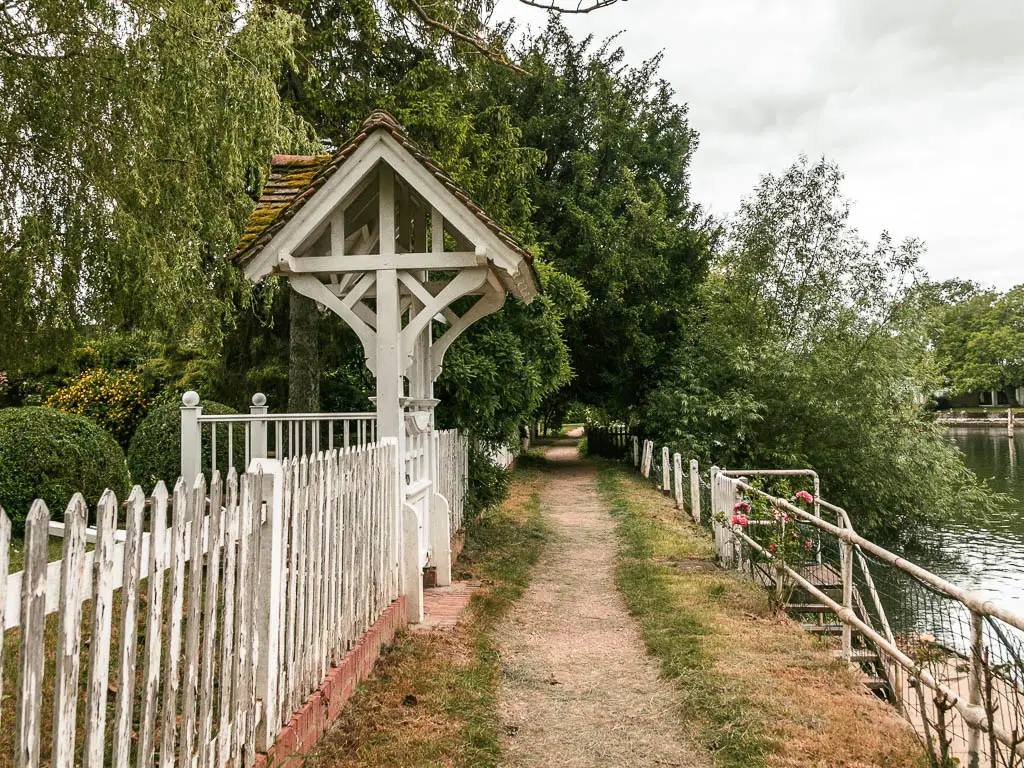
(805, 496)
(741, 506)
(740, 520)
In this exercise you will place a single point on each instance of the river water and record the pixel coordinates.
(986, 555)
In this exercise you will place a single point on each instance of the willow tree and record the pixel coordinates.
(131, 136)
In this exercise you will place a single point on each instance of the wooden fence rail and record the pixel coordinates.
(205, 631)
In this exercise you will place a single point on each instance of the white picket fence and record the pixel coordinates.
(453, 471)
(296, 564)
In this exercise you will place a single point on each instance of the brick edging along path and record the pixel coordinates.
(325, 704)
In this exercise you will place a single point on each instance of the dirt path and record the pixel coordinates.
(578, 688)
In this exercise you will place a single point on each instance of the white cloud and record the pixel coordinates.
(921, 102)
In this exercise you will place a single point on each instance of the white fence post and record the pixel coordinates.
(270, 602)
(440, 512)
(636, 451)
(648, 458)
(191, 437)
(695, 490)
(677, 473)
(666, 483)
(258, 429)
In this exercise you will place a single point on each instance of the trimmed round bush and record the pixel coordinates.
(51, 455)
(155, 451)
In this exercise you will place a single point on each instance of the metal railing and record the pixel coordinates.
(952, 659)
(219, 441)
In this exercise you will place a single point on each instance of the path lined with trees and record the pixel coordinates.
(578, 688)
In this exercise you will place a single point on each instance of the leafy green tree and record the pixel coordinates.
(612, 204)
(131, 137)
(980, 344)
(805, 350)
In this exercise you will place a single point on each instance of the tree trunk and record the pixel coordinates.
(303, 355)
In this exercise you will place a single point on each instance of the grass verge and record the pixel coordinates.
(432, 698)
(759, 690)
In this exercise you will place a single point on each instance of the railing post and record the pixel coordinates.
(695, 490)
(636, 451)
(258, 429)
(191, 438)
(975, 681)
(666, 484)
(270, 602)
(677, 471)
(847, 567)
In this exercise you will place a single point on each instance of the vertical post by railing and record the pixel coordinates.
(257, 429)
(1009, 421)
(695, 490)
(666, 483)
(191, 437)
(636, 451)
(847, 568)
(677, 471)
(270, 603)
(975, 681)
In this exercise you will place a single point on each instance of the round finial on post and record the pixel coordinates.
(259, 399)
(190, 399)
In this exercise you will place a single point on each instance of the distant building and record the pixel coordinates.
(1010, 397)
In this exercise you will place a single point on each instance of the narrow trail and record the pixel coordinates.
(578, 688)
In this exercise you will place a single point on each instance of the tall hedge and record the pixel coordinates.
(155, 450)
(50, 455)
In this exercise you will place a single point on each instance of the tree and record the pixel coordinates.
(612, 204)
(980, 344)
(131, 138)
(805, 350)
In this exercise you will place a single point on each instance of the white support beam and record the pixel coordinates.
(460, 285)
(484, 306)
(369, 262)
(310, 286)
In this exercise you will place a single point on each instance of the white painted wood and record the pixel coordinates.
(209, 630)
(226, 678)
(269, 605)
(128, 646)
(177, 578)
(5, 553)
(413, 587)
(312, 215)
(677, 476)
(194, 624)
(695, 490)
(294, 522)
(666, 485)
(99, 641)
(154, 601)
(69, 634)
(487, 304)
(30, 658)
(300, 265)
(310, 286)
(191, 437)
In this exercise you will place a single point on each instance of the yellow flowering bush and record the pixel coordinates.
(116, 400)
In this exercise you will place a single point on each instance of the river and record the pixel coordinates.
(986, 555)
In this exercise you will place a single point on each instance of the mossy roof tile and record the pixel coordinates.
(296, 178)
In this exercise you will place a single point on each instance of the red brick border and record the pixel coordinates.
(325, 704)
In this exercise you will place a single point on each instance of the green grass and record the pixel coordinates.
(676, 633)
(755, 689)
(433, 698)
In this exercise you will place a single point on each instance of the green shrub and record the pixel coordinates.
(155, 450)
(49, 454)
(116, 400)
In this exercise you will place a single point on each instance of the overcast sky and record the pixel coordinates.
(921, 102)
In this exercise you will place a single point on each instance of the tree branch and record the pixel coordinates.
(581, 6)
(474, 40)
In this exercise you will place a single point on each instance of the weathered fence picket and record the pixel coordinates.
(185, 661)
(69, 634)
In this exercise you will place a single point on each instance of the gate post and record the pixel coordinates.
(695, 490)
(191, 438)
(677, 471)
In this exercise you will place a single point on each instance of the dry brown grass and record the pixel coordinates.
(776, 686)
(431, 698)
